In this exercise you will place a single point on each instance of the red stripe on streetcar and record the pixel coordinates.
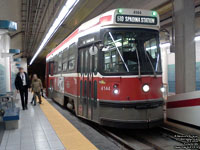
(65, 41)
(105, 19)
(184, 103)
(101, 20)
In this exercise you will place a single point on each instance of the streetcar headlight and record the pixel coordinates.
(162, 89)
(146, 88)
(116, 91)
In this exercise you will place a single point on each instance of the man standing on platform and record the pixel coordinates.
(22, 85)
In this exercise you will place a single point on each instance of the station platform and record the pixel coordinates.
(42, 127)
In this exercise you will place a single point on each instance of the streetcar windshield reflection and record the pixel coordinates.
(132, 51)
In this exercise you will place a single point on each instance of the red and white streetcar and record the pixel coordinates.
(109, 70)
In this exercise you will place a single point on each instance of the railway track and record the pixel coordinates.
(160, 138)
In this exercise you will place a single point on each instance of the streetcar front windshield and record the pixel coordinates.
(134, 51)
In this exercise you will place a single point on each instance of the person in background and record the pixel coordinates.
(31, 78)
(22, 85)
(42, 92)
(36, 88)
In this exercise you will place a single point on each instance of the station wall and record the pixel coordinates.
(171, 69)
(14, 70)
(10, 10)
(4, 63)
(8, 68)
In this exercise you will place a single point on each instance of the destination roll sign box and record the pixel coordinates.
(136, 19)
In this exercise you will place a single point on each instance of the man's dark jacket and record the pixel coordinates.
(19, 83)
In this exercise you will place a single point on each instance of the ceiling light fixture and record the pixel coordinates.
(164, 45)
(65, 11)
(197, 38)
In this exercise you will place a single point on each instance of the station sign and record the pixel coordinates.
(131, 19)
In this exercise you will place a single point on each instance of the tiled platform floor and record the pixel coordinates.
(34, 133)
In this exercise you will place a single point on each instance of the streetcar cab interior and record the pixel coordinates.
(131, 51)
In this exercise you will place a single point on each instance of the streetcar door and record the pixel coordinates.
(81, 56)
(83, 103)
(92, 70)
(88, 56)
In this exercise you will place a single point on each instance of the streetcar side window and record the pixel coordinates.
(59, 62)
(55, 66)
(65, 66)
(71, 64)
(51, 63)
(71, 57)
(86, 61)
(82, 62)
(65, 54)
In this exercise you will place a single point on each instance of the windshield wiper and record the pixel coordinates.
(155, 75)
(158, 57)
(119, 52)
(139, 71)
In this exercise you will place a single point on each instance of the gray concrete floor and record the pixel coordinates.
(2, 128)
(34, 132)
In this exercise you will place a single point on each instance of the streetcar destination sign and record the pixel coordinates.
(136, 19)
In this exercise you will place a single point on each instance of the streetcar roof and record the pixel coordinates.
(123, 17)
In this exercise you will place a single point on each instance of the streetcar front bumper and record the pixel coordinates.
(132, 114)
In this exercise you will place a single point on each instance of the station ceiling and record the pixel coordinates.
(37, 16)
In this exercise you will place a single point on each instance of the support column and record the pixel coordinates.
(164, 65)
(184, 46)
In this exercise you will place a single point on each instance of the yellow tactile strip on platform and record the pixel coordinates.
(71, 138)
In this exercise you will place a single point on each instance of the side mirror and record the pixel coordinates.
(104, 49)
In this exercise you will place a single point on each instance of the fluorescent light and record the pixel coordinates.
(151, 48)
(118, 44)
(65, 11)
(197, 38)
(164, 45)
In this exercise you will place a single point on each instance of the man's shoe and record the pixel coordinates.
(23, 108)
(26, 107)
